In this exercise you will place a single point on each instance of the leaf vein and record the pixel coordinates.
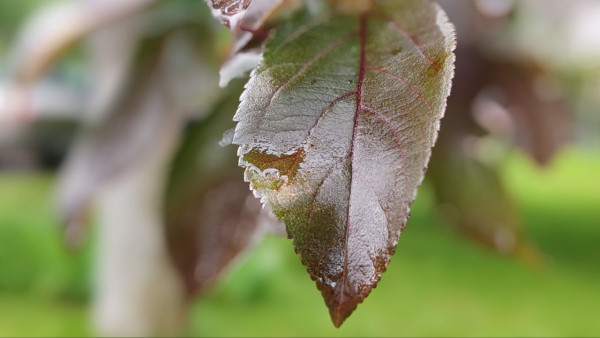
(409, 85)
(300, 71)
(404, 32)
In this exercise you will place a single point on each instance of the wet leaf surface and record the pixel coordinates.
(336, 137)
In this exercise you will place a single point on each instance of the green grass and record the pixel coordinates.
(43, 288)
(437, 283)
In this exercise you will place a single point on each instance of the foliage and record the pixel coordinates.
(335, 138)
(335, 127)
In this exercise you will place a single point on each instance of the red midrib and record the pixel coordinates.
(362, 32)
(362, 68)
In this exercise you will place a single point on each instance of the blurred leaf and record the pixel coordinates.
(211, 216)
(469, 191)
(541, 117)
(473, 200)
(335, 130)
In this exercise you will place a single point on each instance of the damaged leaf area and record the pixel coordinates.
(286, 164)
(335, 130)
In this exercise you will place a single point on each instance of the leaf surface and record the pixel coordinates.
(335, 130)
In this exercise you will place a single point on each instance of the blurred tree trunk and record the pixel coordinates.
(138, 291)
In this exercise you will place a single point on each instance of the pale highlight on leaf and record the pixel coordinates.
(335, 131)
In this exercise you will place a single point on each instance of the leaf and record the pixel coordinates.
(114, 144)
(473, 200)
(335, 130)
(513, 94)
(211, 217)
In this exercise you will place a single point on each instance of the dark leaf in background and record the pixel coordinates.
(211, 216)
(503, 89)
(495, 98)
(473, 200)
(541, 119)
(336, 137)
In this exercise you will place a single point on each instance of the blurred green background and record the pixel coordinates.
(437, 284)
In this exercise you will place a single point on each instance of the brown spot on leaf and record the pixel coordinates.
(286, 164)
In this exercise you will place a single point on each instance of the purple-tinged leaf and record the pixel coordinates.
(335, 131)
(210, 228)
(115, 143)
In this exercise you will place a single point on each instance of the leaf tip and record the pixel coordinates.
(341, 312)
(340, 302)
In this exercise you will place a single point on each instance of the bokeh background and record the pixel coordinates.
(447, 278)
